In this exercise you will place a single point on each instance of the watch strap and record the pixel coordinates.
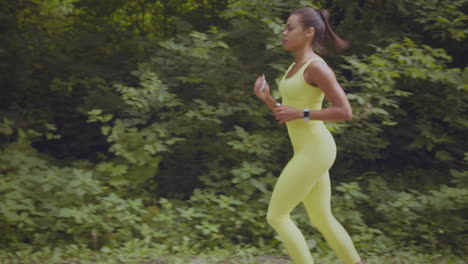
(306, 115)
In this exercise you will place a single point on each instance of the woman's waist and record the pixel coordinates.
(310, 136)
(301, 130)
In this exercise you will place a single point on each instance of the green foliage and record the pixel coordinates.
(43, 204)
(406, 128)
(399, 72)
(444, 19)
(210, 221)
(435, 216)
(135, 253)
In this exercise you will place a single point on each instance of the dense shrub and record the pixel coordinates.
(44, 204)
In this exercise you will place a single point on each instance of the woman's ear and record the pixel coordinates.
(310, 32)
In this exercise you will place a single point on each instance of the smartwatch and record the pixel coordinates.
(306, 115)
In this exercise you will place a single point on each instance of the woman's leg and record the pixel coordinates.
(317, 204)
(293, 185)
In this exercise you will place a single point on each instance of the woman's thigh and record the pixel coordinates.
(295, 183)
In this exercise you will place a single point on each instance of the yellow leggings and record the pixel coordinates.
(305, 179)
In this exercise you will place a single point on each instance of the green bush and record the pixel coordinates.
(44, 204)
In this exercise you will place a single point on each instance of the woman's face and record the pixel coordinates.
(294, 35)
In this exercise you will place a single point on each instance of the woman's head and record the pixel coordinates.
(310, 26)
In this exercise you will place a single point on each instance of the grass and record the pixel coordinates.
(238, 255)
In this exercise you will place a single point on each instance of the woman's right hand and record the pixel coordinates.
(261, 93)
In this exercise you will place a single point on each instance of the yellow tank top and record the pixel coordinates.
(309, 138)
(297, 93)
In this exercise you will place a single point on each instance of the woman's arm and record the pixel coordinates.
(320, 75)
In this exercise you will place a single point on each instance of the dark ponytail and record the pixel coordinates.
(339, 43)
(319, 20)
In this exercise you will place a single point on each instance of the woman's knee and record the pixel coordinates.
(321, 220)
(274, 219)
(270, 217)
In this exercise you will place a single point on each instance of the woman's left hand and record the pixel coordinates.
(286, 113)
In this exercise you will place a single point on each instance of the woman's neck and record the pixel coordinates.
(304, 54)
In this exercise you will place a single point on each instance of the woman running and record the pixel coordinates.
(305, 178)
